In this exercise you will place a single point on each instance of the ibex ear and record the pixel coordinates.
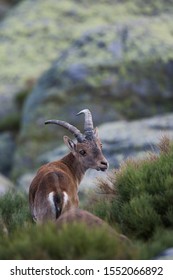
(96, 132)
(69, 143)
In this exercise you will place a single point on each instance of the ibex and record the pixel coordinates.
(55, 186)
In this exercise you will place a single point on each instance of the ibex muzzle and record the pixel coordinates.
(55, 187)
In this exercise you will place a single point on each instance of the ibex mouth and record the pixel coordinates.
(103, 169)
(104, 166)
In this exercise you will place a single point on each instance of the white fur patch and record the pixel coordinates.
(65, 200)
(51, 201)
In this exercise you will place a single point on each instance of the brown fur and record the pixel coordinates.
(61, 176)
(79, 216)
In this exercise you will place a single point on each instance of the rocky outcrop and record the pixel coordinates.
(133, 139)
(112, 65)
(124, 33)
(109, 56)
(112, 71)
(34, 33)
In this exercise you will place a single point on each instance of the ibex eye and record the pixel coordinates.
(82, 152)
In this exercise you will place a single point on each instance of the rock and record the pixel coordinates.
(5, 185)
(119, 66)
(133, 139)
(53, 155)
(24, 182)
(35, 33)
(117, 76)
(165, 255)
(7, 148)
(111, 85)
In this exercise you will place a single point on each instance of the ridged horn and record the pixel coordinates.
(76, 132)
(88, 124)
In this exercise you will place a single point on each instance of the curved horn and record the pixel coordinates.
(76, 132)
(88, 125)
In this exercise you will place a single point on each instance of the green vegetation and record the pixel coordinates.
(14, 212)
(11, 122)
(17, 232)
(72, 242)
(140, 199)
(136, 199)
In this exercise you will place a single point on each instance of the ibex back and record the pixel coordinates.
(55, 186)
(79, 216)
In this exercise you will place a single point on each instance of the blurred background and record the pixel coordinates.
(60, 56)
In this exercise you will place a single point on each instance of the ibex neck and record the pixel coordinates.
(76, 169)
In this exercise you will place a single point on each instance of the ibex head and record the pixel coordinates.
(88, 149)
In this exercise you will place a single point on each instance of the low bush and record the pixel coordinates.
(20, 238)
(74, 241)
(142, 194)
(14, 212)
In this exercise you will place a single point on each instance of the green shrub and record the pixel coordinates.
(71, 242)
(160, 241)
(21, 239)
(14, 212)
(143, 194)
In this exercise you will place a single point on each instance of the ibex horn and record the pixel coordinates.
(88, 125)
